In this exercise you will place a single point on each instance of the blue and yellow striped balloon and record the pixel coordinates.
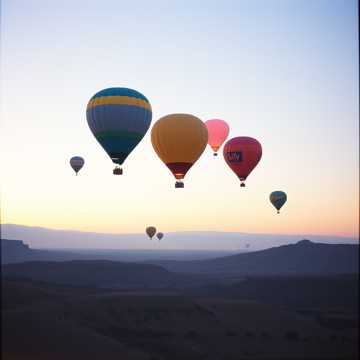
(278, 199)
(119, 118)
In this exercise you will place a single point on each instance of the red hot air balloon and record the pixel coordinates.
(242, 155)
(218, 131)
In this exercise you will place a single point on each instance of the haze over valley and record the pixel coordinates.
(39, 237)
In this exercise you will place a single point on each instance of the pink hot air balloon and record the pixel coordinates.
(218, 131)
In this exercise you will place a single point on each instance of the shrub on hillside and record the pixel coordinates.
(265, 335)
(230, 333)
(249, 334)
(292, 335)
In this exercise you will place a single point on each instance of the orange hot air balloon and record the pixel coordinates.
(242, 154)
(218, 131)
(150, 231)
(179, 140)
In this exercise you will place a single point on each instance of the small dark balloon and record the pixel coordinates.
(150, 231)
(278, 199)
(77, 162)
(159, 235)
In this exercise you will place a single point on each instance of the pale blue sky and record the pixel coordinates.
(284, 72)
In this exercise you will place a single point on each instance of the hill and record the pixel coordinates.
(99, 273)
(304, 257)
(296, 292)
(15, 251)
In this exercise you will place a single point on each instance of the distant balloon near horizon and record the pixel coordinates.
(118, 118)
(179, 140)
(242, 154)
(278, 199)
(150, 231)
(218, 131)
(159, 235)
(77, 162)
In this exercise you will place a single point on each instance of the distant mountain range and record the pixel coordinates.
(38, 237)
(14, 251)
(304, 257)
(305, 275)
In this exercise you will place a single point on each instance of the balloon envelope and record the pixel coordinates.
(242, 154)
(278, 199)
(150, 231)
(119, 118)
(179, 140)
(159, 235)
(218, 131)
(77, 162)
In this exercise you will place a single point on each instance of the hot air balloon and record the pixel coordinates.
(242, 155)
(278, 199)
(150, 231)
(159, 235)
(77, 162)
(179, 140)
(218, 131)
(119, 118)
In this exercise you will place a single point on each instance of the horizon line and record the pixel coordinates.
(186, 231)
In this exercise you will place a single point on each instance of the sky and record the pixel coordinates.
(282, 71)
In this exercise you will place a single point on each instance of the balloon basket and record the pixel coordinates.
(117, 171)
(215, 154)
(242, 184)
(179, 184)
